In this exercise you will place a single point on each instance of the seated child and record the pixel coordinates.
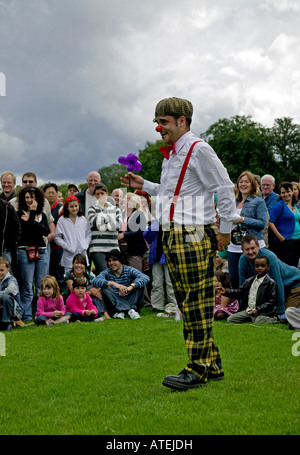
(258, 294)
(10, 305)
(224, 306)
(50, 304)
(221, 263)
(79, 270)
(80, 304)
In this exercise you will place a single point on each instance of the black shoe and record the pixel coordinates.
(216, 376)
(8, 327)
(184, 381)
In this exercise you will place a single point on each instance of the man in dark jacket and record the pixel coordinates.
(9, 231)
(258, 294)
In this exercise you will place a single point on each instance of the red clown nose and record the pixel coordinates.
(158, 128)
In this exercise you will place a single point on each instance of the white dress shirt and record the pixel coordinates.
(253, 293)
(205, 175)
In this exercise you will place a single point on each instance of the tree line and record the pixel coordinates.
(241, 144)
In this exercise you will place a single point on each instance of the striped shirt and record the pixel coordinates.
(105, 223)
(129, 275)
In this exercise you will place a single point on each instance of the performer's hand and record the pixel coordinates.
(136, 181)
(223, 241)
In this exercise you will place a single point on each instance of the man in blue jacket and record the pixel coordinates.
(286, 276)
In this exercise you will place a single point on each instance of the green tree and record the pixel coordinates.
(151, 159)
(286, 147)
(242, 144)
(110, 175)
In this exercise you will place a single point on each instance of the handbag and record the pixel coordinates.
(32, 253)
(237, 234)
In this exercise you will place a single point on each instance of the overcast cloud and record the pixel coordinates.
(83, 76)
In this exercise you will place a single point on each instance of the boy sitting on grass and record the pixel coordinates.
(259, 293)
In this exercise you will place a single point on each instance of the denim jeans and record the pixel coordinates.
(115, 303)
(233, 269)
(7, 305)
(99, 261)
(7, 255)
(31, 273)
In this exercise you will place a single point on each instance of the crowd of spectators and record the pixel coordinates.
(95, 256)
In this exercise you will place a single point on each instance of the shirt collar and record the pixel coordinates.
(181, 141)
(260, 280)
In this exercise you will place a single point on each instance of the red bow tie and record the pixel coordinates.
(165, 151)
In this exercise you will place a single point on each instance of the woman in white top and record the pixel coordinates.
(73, 233)
(253, 217)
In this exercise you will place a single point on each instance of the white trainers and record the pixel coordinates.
(120, 315)
(133, 314)
(165, 315)
(178, 315)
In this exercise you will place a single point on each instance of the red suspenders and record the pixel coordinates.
(180, 180)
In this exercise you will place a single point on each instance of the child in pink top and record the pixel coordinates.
(224, 306)
(80, 304)
(50, 304)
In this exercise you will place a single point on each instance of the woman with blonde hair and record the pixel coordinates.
(131, 238)
(252, 219)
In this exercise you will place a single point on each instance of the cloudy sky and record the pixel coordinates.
(79, 79)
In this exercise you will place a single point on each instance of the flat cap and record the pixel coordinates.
(175, 107)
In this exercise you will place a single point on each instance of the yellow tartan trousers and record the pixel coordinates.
(191, 257)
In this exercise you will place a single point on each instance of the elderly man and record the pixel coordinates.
(267, 184)
(117, 195)
(190, 238)
(86, 197)
(286, 276)
(8, 184)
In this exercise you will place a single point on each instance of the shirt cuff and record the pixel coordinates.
(149, 187)
(225, 227)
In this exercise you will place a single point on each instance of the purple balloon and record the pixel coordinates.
(131, 161)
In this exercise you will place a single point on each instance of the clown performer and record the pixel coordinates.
(191, 174)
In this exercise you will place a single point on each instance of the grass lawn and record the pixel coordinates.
(105, 379)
